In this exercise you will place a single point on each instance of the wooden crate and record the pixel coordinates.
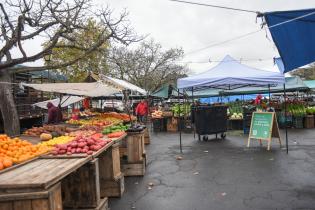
(103, 205)
(81, 188)
(147, 136)
(113, 188)
(172, 125)
(309, 121)
(49, 199)
(134, 169)
(111, 183)
(135, 147)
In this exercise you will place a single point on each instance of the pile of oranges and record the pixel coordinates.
(15, 150)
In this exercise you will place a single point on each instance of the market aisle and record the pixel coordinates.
(223, 175)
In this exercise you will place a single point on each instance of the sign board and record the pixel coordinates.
(264, 126)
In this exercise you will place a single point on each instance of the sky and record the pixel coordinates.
(193, 27)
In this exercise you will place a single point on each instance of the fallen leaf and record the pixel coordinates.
(150, 184)
(206, 151)
(179, 158)
(149, 188)
(196, 173)
(223, 194)
(136, 182)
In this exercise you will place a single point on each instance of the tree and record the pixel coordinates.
(95, 62)
(307, 73)
(24, 20)
(147, 66)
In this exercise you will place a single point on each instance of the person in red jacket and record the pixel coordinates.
(54, 114)
(142, 111)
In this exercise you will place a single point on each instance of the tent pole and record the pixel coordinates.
(269, 94)
(179, 125)
(285, 117)
(192, 96)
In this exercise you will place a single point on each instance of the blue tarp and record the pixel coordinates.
(295, 38)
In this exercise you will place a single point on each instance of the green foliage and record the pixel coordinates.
(66, 51)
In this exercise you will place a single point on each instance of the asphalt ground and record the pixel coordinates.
(224, 174)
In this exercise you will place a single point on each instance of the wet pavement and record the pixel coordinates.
(224, 174)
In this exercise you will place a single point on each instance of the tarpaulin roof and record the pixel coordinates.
(65, 101)
(310, 84)
(122, 84)
(294, 35)
(230, 74)
(94, 89)
(291, 83)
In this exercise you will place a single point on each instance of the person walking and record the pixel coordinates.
(142, 111)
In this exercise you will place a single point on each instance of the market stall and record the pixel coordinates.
(229, 74)
(91, 147)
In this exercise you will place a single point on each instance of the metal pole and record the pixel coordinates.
(285, 117)
(193, 111)
(179, 125)
(269, 94)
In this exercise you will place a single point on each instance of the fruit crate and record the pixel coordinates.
(309, 121)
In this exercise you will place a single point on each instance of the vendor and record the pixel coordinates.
(142, 111)
(54, 114)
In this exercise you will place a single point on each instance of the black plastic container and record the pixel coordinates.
(210, 120)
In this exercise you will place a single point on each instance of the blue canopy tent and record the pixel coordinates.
(293, 32)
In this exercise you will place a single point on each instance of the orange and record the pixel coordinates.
(1, 166)
(7, 162)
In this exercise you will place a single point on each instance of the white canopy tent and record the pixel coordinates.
(122, 84)
(65, 101)
(230, 74)
(94, 89)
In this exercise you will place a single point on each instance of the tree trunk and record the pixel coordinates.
(8, 109)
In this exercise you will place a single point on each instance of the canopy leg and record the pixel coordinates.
(285, 117)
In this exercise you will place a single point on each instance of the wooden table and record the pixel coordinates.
(36, 185)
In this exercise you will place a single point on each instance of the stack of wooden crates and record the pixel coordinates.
(133, 155)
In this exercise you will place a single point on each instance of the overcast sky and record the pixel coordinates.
(193, 27)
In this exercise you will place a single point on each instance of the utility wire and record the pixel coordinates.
(249, 33)
(216, 6)
(216, 61)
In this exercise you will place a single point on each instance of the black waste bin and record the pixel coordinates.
(210, 120)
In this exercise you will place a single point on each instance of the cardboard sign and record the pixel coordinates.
(264, 126)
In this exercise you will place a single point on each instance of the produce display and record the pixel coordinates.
(238, 116)
(57, 140)
(157, 114)
(297, 109)
(81, 145)
(115, 128)
(93, 121)
(116, 134)
(136, 128)
(17, 150)
(235, 107)
(310, 110)
(54, 130)
(120, 116)
(181, 109)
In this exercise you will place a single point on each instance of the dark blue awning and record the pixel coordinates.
(295, 38)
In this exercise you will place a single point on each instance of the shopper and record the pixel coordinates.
(54, 114)
(142, 111)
